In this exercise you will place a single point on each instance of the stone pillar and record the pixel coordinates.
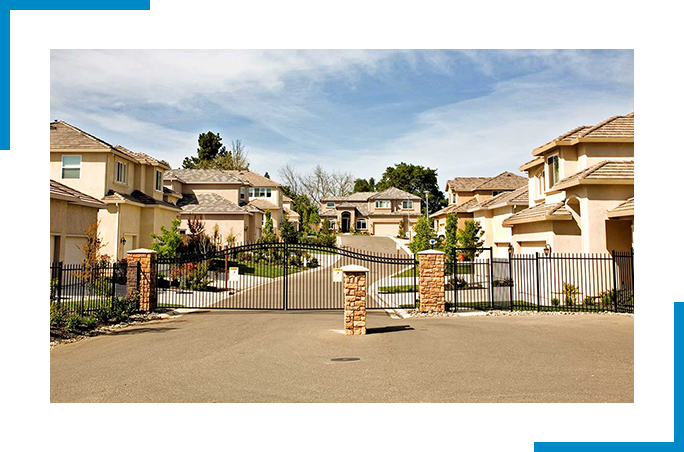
(355, 278)
(431, 280)
(147, 285)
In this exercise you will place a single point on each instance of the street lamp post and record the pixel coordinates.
(427, 206)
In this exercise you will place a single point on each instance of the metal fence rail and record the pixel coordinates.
(554, 282)
(81, 289)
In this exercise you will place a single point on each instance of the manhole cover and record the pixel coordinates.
(345, 359)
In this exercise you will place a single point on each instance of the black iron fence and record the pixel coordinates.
(82, 289)
(554, 282)
(282, 276)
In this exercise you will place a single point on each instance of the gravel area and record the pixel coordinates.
(60, 337)
(416, 313)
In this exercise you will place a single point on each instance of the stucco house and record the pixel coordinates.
(491, 214)
(71, 212)
(464, 193)
(376, 213)
(218, 198)
(581, 192)
(129, 183)
(290, 214)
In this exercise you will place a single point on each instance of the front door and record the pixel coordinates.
(346, 220)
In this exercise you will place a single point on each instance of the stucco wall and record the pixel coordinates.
(93, 170)
(226, 223)
(230, 192)
(68, 221)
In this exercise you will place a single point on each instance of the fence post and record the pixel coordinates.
(490, 279)
(285, 275)
(510, 278)
(454, 271)
(225, 270)
(114, 267)
(431, 281)
(355, 283)
(615, 292)
(536, 258)
(145, 270)
(59, 281)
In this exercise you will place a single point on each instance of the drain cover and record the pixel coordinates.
(345, 359)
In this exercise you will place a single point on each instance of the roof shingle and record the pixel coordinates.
(540, 212)
(194, 176)
(72, 195)
(608, 170)
(209, 203)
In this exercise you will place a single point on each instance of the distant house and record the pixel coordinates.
(376, 213)
(290, 214)
(581, 191)
(71, 212)
(218, 198)
(129, 183)
(464, 193)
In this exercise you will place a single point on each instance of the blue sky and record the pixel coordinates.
(466, 113)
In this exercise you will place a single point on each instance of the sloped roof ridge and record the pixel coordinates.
(83, 132)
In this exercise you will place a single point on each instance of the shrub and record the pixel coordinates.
(295, 260)
(57, 315)
(89, 322)
(555, 301)
(570, 292)
(312, 263)
(72, 323)
(588, 301)
(121, 309)
(506, 282)
(102, 286)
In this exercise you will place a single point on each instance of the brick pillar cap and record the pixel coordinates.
(141, 251)
(430, 252)
(354, 268)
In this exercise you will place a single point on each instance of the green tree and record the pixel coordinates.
(266, 175)
(303, 206)
(423, 233)
(470, 237)
(451, 234)
(402, 229)
(268, 234)
(414, 179)
(211, 153)
(287, 231)
(313, 220)
(326, 235)
(364, 185)
(168, 243)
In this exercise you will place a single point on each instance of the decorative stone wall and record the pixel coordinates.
(147, 285)
(431, 269)
(355, 278)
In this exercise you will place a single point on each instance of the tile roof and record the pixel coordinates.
(503, 181)
(257, 180)
(69, 194)
(540, 212)
(291, 214)
(608, 170)
(354, 197)
(626, 209)
(168, 191)
(262, 204)
(532, 163)
(138, 197)
(517, 197)
(328, 213)
(453, 208)
(394, 193)
(194, 176)
(465, 183)
(209, 203)
(66, 136)
(287, 199)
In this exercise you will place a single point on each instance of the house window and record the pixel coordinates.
(496, 192)
(71, 167)
(407, 205)
(259, 192)
(330, 204)
(553, 166)
(121, 172)
(382, 204)
(158, 184)
(242, 192)
(361, 224)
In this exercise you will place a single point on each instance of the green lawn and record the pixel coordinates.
(462, 270)
(397, 289)
(406, 273)
(263, 269)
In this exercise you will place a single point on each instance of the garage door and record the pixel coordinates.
(387, 229)
(532, 247)
(73, 253)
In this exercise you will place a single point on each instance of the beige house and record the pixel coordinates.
(290, 214)
(129, 183)
(71, 212)
(464, 193)
(491, 214)
(376, 213)
(581, 192)
(218, 198)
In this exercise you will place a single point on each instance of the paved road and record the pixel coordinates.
(238, 356)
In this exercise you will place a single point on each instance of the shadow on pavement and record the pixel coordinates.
(389, 329)
(163, 329)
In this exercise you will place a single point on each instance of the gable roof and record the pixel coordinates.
(65, 136)
(532, 163)
(465, 183)
(204, 176)
(615, 128)
(262, 204)
(607, 171)
(363, 196)
(626, 209)
(540, 212)
(65, 193)
(394, 193)
(209, 203)
(257, 180)
(453, 208)
(519, 197)
(138, 197)
(502, 181)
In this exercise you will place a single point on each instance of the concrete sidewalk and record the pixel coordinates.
(237, 356)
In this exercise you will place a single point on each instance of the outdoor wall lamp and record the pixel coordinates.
(547, 250)
(510, 249)
(123, 240)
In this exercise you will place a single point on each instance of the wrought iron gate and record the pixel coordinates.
(469, 280)
(282, 276)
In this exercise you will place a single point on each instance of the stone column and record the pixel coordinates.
(355, 278)
(147, 285)
(431, 280)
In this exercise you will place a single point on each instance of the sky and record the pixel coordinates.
(465, 113)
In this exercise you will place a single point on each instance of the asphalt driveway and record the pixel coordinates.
(257, 356)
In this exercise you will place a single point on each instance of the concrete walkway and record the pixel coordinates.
(238, 356)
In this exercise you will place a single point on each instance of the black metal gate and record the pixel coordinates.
(283, 276)
(469, 279)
